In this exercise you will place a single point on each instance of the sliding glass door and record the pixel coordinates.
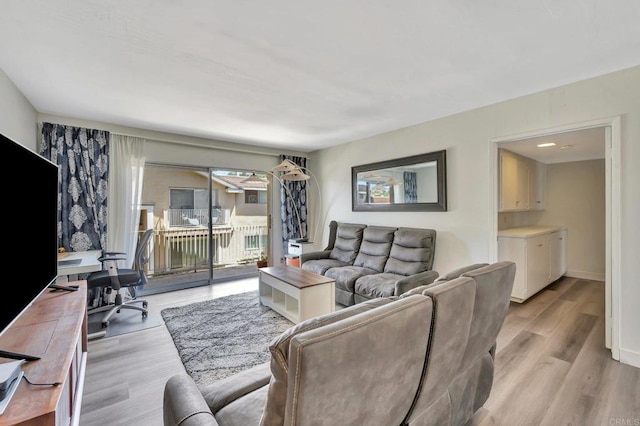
(209, 224)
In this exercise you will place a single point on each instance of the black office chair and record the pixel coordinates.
(113, 278)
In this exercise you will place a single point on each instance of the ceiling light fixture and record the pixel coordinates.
(545, 145)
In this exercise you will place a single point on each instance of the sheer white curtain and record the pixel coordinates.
(126, 170)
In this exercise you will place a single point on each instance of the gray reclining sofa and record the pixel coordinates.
(423, 358)
(374, 261)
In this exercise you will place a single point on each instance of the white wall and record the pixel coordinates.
(464, 230)
(576, 198)
(17, 115)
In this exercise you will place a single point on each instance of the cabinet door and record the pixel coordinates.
(557, 255)
(514, 182)
(537, 263)
(514, 250)
(538, 186)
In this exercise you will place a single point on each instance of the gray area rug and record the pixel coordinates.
(220, 337)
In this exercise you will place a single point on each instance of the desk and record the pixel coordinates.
(89, 263)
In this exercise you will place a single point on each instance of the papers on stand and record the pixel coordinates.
(10, 376)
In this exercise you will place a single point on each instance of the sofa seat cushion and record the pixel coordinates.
(346, 276)
(320, 266)
(377, 285)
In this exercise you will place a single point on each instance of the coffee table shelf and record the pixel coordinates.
(296, 294)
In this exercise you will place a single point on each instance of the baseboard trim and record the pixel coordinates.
(630, 357)
(595, 276)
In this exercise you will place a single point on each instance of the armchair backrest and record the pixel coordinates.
(412, 251)
(387, 369)
(493, 295)
(141, 257)
(347, 242)
(279, 348)
(375, 247)
(469, 312)
(452, 314)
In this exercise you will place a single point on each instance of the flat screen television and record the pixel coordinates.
(30, 199)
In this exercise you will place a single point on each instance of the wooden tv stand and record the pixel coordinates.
(53, 328)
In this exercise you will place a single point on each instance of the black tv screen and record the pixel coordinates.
(30, 199)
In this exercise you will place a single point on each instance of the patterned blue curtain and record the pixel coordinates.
(410, 187)
(83, 157)
(298, 190)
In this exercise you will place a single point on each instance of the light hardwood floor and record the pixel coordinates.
(551, 364)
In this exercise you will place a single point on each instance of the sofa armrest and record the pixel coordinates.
(314, 255)
(416, 280)
(222, 392)
(184, 405)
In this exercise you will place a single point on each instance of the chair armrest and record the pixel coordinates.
(108, 258)
(314, 255)
(412, 281)
(184, 405)
(113, 253)
(222, 392)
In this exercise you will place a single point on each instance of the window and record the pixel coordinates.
(251, 196)
(255, 242)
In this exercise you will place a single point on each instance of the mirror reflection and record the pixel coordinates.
(415, 183)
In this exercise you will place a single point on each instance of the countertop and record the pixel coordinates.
(529, 231)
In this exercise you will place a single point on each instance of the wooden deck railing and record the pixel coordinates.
(181, 249)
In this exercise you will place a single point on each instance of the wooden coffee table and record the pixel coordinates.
(296, 294)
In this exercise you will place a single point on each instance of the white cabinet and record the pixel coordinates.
(514, 182)
(540, 256)
(537, 186)
(522, 182)
(557, 254)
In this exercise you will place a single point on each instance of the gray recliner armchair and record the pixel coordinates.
(424, 358)
(370, 261)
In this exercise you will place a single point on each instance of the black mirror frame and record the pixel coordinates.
(440, 157)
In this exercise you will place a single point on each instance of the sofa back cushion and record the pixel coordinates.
(493, 296)
(279, 348)
(452, 314)
(363, 370)
(348, 240)
(375, 247)
(412, 251)
(459, 271)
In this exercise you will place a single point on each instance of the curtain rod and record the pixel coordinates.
(197, 145)
(177, 142)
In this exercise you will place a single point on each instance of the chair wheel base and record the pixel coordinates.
(105, 324)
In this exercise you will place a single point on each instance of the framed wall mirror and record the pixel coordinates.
(416, 183)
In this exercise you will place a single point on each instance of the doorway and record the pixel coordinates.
(611, 130)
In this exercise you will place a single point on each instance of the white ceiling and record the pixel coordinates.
(579, 145)
(302, 75)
